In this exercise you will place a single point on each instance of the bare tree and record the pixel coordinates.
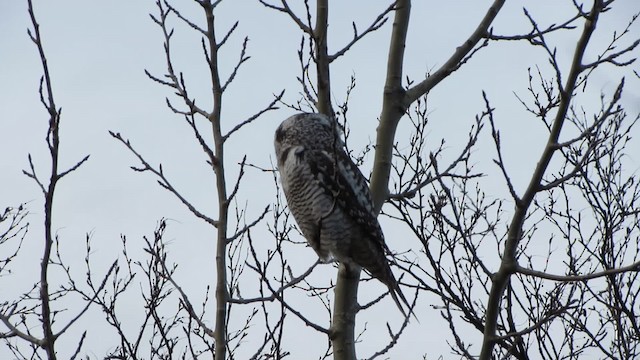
(462, 218)
(520, 310)
(553, 277)
(41, 304)
(463, 221)
(196, 117)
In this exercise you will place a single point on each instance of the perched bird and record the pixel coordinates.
(329, 197)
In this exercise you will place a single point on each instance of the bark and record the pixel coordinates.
(222, 295)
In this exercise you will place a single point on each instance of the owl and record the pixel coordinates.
(330, 199)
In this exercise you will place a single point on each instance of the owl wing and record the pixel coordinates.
(343, 181)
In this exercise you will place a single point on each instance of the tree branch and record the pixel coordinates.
(576, 278)
(461, 52)
(509, 264)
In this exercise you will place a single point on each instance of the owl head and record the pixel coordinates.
(308, 130)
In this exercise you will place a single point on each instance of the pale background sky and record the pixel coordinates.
(97, 51)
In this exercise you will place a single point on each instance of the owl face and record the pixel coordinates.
(307, 130)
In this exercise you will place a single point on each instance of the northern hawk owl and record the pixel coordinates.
(329, 197)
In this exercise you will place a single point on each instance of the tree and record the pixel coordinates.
(38, 304)
(551, 278)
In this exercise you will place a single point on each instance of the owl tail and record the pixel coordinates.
(397, 295)
(371, 257)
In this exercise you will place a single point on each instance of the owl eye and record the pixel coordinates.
(299, 153)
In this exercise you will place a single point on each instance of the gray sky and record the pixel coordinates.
(97, 51)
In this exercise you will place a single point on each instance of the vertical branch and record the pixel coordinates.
(322, 58)
(347, 280)
(212, 44)
(509, 264)
(222, 296)
(393, 107)
(344, 313)
(342, 332)
(53, 141)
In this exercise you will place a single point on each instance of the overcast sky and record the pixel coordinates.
(98, 50)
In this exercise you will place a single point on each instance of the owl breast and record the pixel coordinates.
(314, 207)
